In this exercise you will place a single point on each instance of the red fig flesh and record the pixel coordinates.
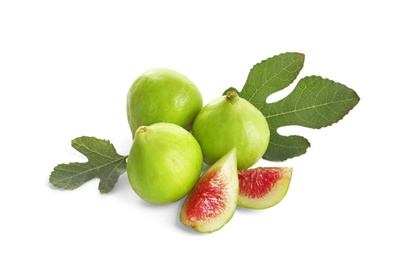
(263, 187)
(212, 202)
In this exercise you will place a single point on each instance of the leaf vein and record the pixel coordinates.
(268, 80)
(307, 108)
(91, 169)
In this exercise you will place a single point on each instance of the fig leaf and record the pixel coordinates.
(103, 162)
(315, 102)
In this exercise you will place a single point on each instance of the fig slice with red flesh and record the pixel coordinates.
(213, 200)
(263, 187)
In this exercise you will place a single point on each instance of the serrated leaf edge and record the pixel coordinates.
(357, 98)
(270, 58)
(75, 144)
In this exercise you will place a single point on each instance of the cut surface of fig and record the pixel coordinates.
(212, 202)
(263, 187)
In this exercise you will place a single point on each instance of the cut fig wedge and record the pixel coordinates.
(213, 200)
(263, 187)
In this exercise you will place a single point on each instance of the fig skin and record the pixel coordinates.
(164, 163)
(212, 202)
(230, 121)
(162, 95)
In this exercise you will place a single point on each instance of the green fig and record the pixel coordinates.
(162, 95)
(164, 163)
(230, 121)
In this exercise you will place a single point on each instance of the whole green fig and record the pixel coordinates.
(164, 162)
(162, 95)
(230, 121)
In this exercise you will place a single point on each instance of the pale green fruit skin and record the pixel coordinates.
(162, 95)
(226, 123)
(164, 163)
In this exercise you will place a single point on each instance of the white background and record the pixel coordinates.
(66, 67)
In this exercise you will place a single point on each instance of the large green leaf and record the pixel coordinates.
(315, 102)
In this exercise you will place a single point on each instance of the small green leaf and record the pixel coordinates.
(315, 102)
(103, 163)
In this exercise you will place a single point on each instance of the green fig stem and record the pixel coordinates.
(232, 96)
(140, 130)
